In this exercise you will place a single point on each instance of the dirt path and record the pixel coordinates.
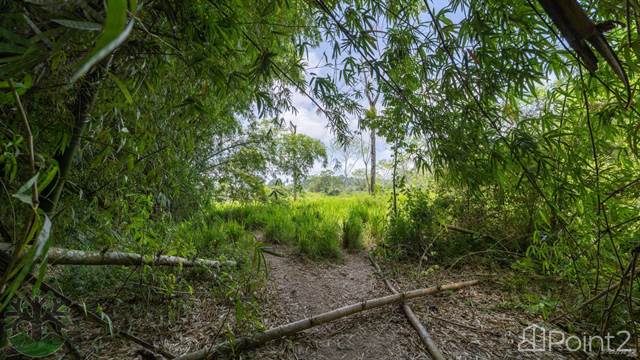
(471, 325)
(299, 289)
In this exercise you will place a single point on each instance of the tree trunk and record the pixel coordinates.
(59, 256)
(373, 100)
(394, 178)
(411, 316)
(244, 343)
(372, 188)
(80, 109)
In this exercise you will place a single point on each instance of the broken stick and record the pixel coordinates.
(411, 316)
(248, 342)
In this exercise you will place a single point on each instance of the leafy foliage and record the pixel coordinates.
(121, 119)
(296, 155)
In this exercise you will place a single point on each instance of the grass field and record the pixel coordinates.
(318, 226)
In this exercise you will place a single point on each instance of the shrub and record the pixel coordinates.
(399, 233)
(361, 210)
(414, 223)
(377, 224)
(319, 239)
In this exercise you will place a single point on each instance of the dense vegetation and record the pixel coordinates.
(157, 127)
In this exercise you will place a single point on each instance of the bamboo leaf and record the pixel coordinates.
(24, 192)
(123, 88)
(36, 348)
(114, 34)
(80, 25)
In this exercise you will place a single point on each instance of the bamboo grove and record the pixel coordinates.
(119, 113)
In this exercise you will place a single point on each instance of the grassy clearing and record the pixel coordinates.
(317, 226)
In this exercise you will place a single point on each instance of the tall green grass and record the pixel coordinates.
(317, 225)
(352, 232)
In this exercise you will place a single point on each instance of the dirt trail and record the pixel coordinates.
(298, 289)
(471, 325)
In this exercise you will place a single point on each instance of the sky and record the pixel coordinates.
(309, 121)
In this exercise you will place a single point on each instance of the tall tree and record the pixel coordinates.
(371, 114)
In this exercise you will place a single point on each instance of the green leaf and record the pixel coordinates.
(123, 88)
(26, 345)
(24, 266)
(80, 25)
(133, 5)
(107, 319)
(115, 33)
(24, 193)
(50, 175)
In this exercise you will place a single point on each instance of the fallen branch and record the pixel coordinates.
(248, 342)
(60, 256)
(469, 232)
(269, 250)
(432, 348)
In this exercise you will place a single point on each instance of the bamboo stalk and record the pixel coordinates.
(247, 342)
(596, 297)
(432, 348)
(60, 256)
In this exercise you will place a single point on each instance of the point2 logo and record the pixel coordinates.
(536, 338)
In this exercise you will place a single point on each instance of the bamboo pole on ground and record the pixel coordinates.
(244, 343)
(60, 256)
(432, 348)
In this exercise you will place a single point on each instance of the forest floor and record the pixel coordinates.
(478, 322)
(472, 323)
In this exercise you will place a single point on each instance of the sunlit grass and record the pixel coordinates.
(316, 225)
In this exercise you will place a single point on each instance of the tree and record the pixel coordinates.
(370, 122)
(295, 156)
(345, 156)
(325, 182)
